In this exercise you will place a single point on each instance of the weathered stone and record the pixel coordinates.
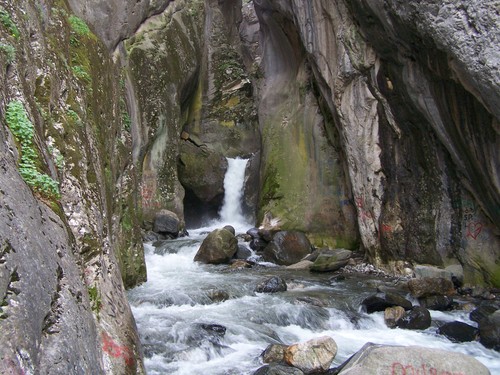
(272, 285)
(417, 318)
(218, 247)
(202, 171)
(230, 228)
(287, 248)
(422, 271)
(302, 265)
(166, 222)
(392, 315)
(440, 303)
(217, 295)
(379, 359)
(331, 260)
(458, 331)
(277, 370)
(430, 287)
(258, 244)
(240, 264)
(311, 356)
(483, 311)
(383, 300)
(243, 252)
(489, 331)
(274, 353)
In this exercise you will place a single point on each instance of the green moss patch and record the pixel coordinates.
(24, 132)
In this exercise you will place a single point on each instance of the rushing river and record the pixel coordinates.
(184, 331)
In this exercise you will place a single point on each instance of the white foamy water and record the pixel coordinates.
(182, 329)
(231, 212)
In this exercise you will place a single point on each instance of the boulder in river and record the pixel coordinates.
(312, 356)
(243, 252)
(381, 359)
(287, 247)
(275, 369)
(440, 303)
(383, 300)
(166, 222)
(218, 247)
(272, 285)
(431, 286)
(458, 331)
(417, 318)
(331, 260)
(392, 316)
(489, 331)
(483, 311)
(274, 353)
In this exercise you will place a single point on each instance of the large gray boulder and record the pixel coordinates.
(431, 286)
(378, 359)
(166, 222)
(381, 301)
(287, 247)
(201, 171)
(218, 247)
(489, 331)
(312, 356)
(331, 260)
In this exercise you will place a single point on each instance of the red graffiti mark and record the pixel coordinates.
(384, 229)
(362, 212)
(117, 351)
(359, 202)
(406, 369)
(474, 229)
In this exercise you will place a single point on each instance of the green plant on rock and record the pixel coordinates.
(95, 299)
(9, 52)
(80, 72)
(7, 22)
(78, 26)
(23, 131)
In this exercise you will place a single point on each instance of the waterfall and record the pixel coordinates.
(231, 212)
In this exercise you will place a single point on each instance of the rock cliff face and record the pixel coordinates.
(411, 90)
(69, 219)
(370, 123)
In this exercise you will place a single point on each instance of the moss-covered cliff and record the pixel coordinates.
(77, 231)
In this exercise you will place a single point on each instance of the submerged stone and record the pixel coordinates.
(272, 285)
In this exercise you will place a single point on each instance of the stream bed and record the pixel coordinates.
(187, 326)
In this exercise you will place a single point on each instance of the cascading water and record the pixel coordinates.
(231, 212)
(203, 319)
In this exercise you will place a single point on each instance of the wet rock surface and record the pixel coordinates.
(218, 247)
(373, 359)
(459, 331)
(381, 301)
(274, 284)
(287, 248)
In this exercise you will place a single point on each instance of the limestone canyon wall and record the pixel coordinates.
(69, 216)
(412, 90)
(369, 124)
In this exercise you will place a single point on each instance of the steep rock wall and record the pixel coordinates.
(303, 178)
(412, 90)
(63, 253)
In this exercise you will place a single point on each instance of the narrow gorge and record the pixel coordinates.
(368, 125)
